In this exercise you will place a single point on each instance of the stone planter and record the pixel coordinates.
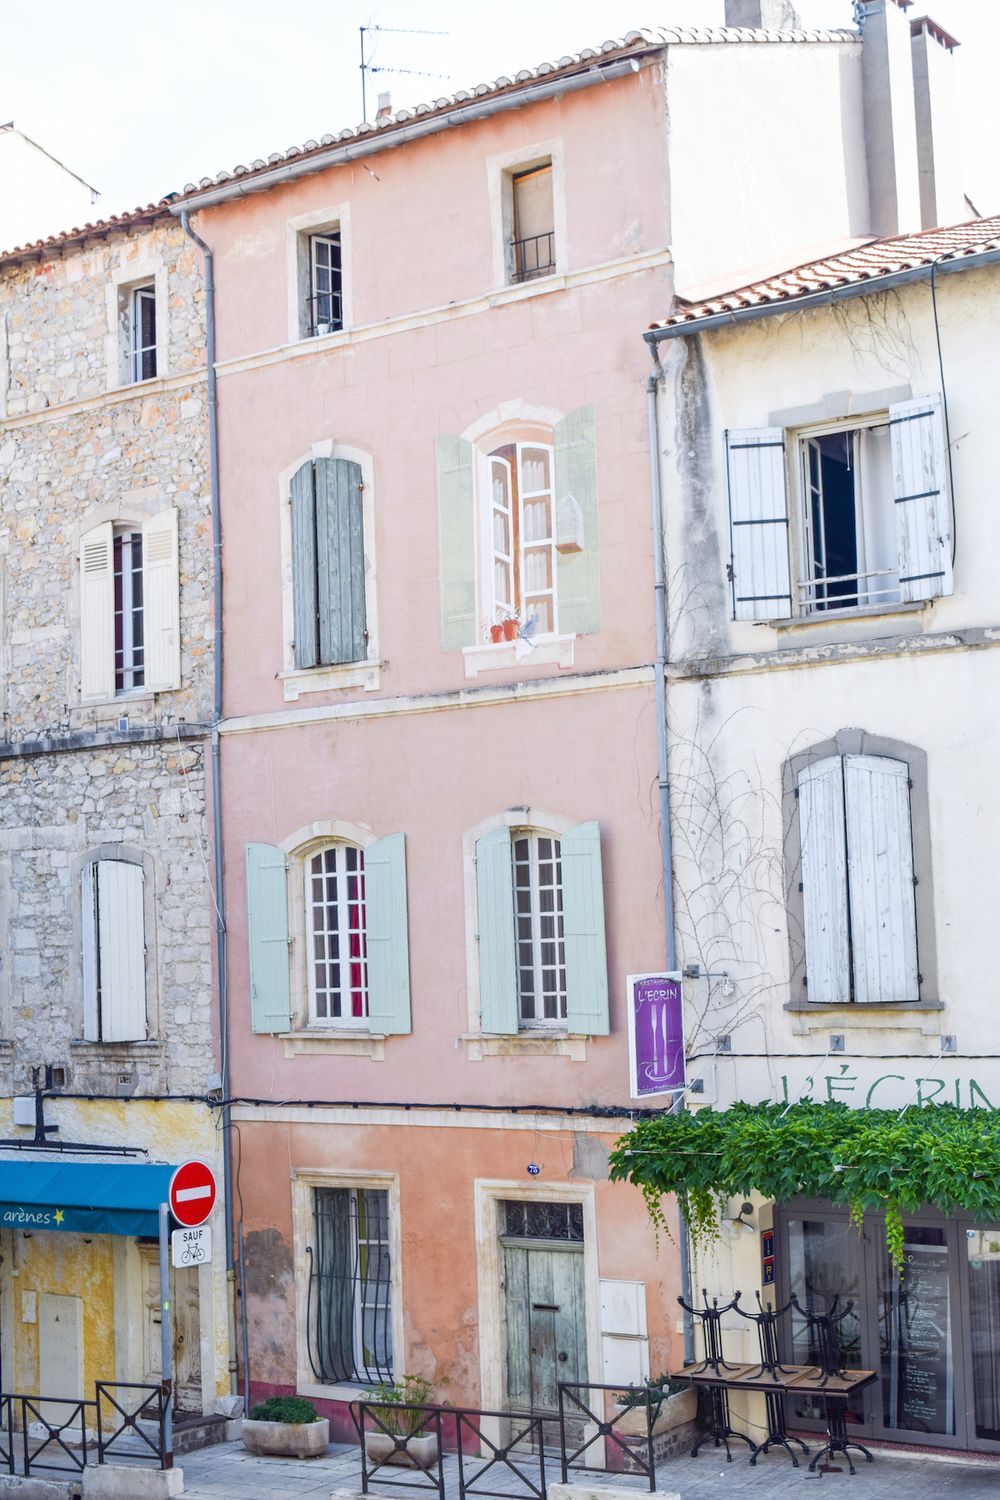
(677, 1409)
(420, 1453)
(286, 1439)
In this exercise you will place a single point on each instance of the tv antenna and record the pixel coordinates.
(368, 67)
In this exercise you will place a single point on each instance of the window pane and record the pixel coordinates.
(983, 1250)
(336, 921)
(915, 1334)
(538, 910)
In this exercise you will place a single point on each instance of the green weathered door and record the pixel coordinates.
(546, 1323)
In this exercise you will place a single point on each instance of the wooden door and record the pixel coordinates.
(186, 1331)
(546, 1323)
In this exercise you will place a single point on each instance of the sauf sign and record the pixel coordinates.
(656, 1034)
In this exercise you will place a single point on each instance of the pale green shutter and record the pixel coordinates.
(578, 596)
(456, 542)
(304, 607)
(497, 952)
(267, 935)
(340, 561)
(583, 923)
(387, 940)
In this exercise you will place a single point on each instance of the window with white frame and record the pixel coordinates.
(541, 941)
(114, 952)
(130, 608)
(523, 536)
(142, 332)
(350, 1291)
(850, 514)
(325, 297)
(129, 650)
(336, 936)
(857, 880)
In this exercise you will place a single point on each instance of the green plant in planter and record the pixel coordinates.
(391, 1398)
(659, 1389)
(294, 1409)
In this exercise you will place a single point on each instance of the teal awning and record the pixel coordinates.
(84, 1197)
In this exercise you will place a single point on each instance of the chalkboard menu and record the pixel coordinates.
(919, 1336)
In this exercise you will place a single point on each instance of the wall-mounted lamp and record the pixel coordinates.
(741, 1219)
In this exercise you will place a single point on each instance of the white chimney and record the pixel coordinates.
(763, 15)
(384, 108)
(890, 118)
(939, 148)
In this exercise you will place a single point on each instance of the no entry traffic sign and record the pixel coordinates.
(192, 1193)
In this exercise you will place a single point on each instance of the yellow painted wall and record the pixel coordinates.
(66, 1265)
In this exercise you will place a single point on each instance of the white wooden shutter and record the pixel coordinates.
(161, 602)
(97, 613)
(920, 490)
(824, 881)
(91, 1023)
(121, 943)
(880, 879)
(758, 524)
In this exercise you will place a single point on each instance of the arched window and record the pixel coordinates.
(336, 935)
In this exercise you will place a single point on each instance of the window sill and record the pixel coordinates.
(841, 616)
(547, 650)
(334, 1044)
(807, 1018)
(526, 1044)
(344, 1392)
(363, 674)
(148, 1047)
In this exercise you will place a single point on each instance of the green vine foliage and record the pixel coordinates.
(868, 1159)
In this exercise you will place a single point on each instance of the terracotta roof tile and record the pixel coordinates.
(100, 228)
(635, 42)
(863, 263)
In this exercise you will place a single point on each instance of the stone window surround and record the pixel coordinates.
(302, 1184)
(121, 512)
(364, 674)
(297, 269)
(527, 1043)
(500, 171)
(307, 1037)
(124, 278)
(507, 423)
(129, 854)
(860, 742)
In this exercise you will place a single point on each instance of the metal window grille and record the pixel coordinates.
(143, 333)
(538, 915)
(335, 899)
(535, 255)
(129, 640)
(350, 1286)
(530, 1220)
(326, 286)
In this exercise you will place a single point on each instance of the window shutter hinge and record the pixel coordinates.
(909, 782)
(916, 880)
(801, 886)
(730, 575)
(796, 794)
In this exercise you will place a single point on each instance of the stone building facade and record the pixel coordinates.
(106, 684)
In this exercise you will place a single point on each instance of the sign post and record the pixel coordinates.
(166, 1341)
(655, 1034)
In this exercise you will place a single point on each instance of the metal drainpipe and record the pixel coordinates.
(221, 944)
(666, 848)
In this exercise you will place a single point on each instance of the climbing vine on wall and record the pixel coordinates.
(877, 1159)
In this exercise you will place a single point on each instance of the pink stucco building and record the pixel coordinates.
(439, 743)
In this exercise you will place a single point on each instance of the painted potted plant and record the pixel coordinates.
(673, 1402)
(494, 632)
(393, 1419)
(285, 1427)
(511, 622)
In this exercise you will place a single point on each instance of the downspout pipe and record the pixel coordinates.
(221, 940)
(666, 841)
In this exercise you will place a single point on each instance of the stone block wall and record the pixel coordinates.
(77, 450)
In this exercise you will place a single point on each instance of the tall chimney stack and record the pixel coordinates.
(890, 118)
(939, 151)
(763, 15)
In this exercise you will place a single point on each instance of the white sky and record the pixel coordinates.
(139, 97)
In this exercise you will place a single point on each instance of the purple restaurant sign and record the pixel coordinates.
(655, 1034)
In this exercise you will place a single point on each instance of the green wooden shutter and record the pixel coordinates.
(583, 923)
(304, 606)
(387, 941)
(456, 542)
(267, 935)
(578, 597)
(340, 561)
(497, 953)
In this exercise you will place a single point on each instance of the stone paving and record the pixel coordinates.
(228, 1472)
